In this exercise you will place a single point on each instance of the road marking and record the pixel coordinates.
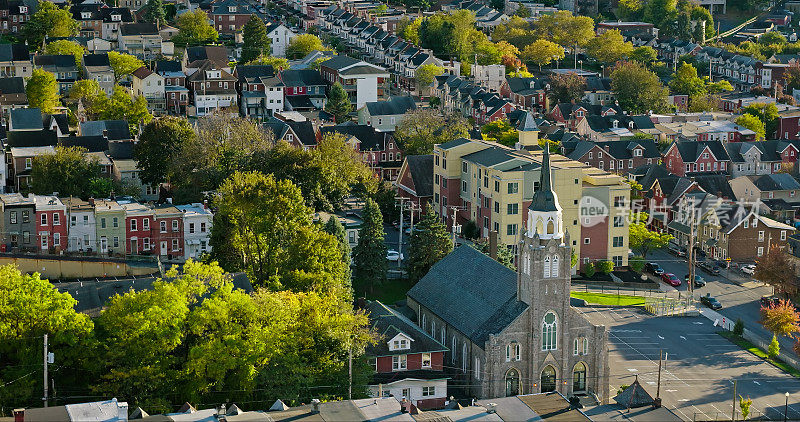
(626, 331)
(671, 391)
(683, 399)
(756, 383)
(632, 369)
(697, 323)
(659, 336)
(683, 337)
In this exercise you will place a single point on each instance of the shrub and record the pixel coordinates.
(636, 263)
(470, 230)
(588, 269)
(738, 328)
(774, 348)
(744, 405)
(605, 267)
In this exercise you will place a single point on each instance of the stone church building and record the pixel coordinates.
(514, 333)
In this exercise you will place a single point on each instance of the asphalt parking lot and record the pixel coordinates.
(700, 366)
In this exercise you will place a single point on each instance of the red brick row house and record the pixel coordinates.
(686, 158)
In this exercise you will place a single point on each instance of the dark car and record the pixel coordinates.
(711, 302)
(698, 280)
(766, 301)
(722, 264)
(709, 267)
(677, 251)
(670, 279)
(654, 268)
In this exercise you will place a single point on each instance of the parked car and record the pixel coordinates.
(769, 300)
(654, 268)
(748, 269)
(722, 264)
(711, 302)
(709, 267)
(670, 279)
(698, 280)
(394, 256)
(676, 250)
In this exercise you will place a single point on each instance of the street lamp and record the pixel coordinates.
(581, 63)
(786, 408)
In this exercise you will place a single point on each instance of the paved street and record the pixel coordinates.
(739, 300)
(697, 381)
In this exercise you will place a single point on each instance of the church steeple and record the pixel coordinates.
(544, 213)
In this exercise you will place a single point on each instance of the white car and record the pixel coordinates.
(394, 256)
(749, 269)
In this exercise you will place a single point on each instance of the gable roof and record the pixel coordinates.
(117, 130)
(778, 181)
(394, 106)
(371, 140)
(691, 151)
(57, 60)
(420, 167)
(14, 52)
(168, 66)
(389, 323)
(91, 143)
(339, 62)
(92, 60)
(139, 29)
(12, 85)
(471, 292)
(302, 77)
(142, 72)
(249, 72)
(25, 119)
(216, 53)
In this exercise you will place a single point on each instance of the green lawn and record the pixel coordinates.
(607, 299)
(752, 348)
(389, 293)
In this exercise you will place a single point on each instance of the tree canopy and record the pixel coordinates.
(421, 129)
(159, 144)
(369, 255)
(123, 64)
(256, 40)
(66, 47)
(753, 123)
(566, 88)
(303, 44)
(70, 172)
(774, 269)
(609, 47)
(643, 239)
(428, 245)
(339, 103)
(194, 29)
(637, 89)
(42, 91)
(51, 21)
(542, 52)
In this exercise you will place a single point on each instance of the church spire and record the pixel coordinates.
(545, 199)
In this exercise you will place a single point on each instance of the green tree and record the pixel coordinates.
(523, 11)
(271, 231)
(744, 406)
(194, 29)
(278, 63)
(303, 44)
(589, 270)
(645, 55)
(643, 239)
(49, 21)
(609, 47)
(637, 89)
(605, 267)
(123, 64)
(369, 255)
(421, 129)
(335, 228)
(767, 113)
(774, 348)
(659, 12)
(425, 74)
(31, 307)
(428, 245)
(159, 144)
(256, 40)
(753, 123)
(772, 37)
(500, 131)
(566, 88)
(88, 92)
(686, 81)
(542, 52)
(42, 91)
(68, 171)
(630, 10)
(66, 47)
(122, 106)
(565, 29)
(155, 12)
(704, 102)
(338, 103)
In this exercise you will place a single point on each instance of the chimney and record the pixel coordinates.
(105, 133)
(315, 406)
(607, 148)
(493, 244)
(91, 201)
(361, 302)
(205, 204)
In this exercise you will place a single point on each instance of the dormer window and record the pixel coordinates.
(630, 125)
(116, 18)
(86, 15)
(23, 9)
(400, 342)
(232, 9)
(615, 124)
(637, 152)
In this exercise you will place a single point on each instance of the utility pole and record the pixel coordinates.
(691, 253)
(658, 387)
(455, 210)
(350, 372)
(44, 398)
(400, 238)
(733, 405)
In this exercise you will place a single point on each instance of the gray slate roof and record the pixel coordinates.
(388, 322)
(421, 169)
(394, 106)
(471, 292)
(778, 181)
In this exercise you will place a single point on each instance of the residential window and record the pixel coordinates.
(760, 251)
(114, 222)
(463, 186)
(399, 362)
(586, 240)
(134, 226)
(44, 219)
(513, 209)
(26, 237)
(783, 234)
(56, 219)
(145, 223)
(426, 360)
(174, 225)
(618, 241)
(163, 226)
(85, 220)
(617, 260)
(511, 229)
(13, 217)
(56, 239)
(191, 228)
(116, 241)
(496, 186)
(496, 207)
(428, 391)
(73, 221)
(513, 187)
(175, 244)
(619, 221)
(761, 235)
(464, 167)
(146, 243)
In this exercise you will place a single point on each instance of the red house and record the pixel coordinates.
(408, 362)
(415, 181)
(695, 157)
(168, 232)
(51, 223)
(139, 223)
(230, 16)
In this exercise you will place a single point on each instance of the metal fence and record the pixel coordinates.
(755, 414)
(669, 306)
(619, 290)
(785, 355)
